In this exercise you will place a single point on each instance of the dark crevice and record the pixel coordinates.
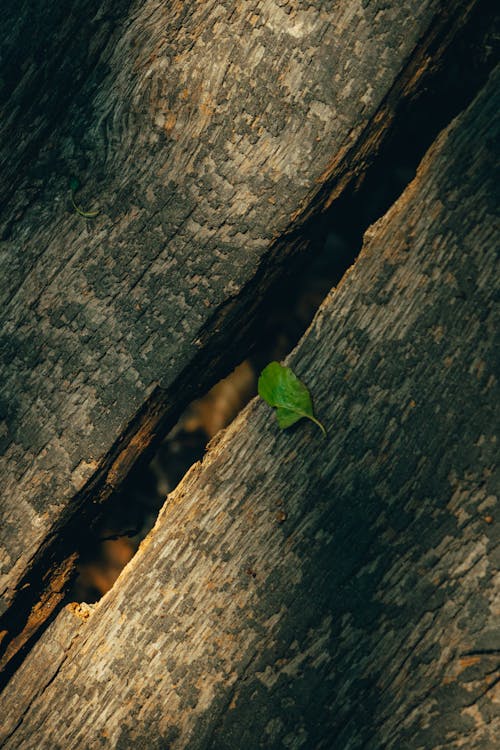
(334, 240)
(124, 496)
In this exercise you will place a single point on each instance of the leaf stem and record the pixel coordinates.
(85, 214)
(316, 421)
(302, 414)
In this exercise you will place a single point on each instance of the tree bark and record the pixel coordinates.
(206, 134)
(340, 593)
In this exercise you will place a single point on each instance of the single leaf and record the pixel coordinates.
(74, 184)
(281, 388)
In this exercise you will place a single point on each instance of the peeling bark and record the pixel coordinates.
(297, 592)
(204, 132)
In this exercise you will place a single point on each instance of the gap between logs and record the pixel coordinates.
(458, 42)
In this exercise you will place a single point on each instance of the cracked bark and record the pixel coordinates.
(368, 616)
(204, 132)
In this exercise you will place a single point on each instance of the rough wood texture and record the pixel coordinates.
(50, 59)
(202, 131)
(303, 593)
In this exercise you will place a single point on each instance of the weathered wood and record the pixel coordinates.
(203, 131)
(50, 60)
(341, 593)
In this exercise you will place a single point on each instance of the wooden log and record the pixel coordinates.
(307, 593)
(203, 133)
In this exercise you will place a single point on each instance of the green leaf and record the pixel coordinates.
(282, 389)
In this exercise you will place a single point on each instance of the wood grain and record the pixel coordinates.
(203, 133)
(297, 592)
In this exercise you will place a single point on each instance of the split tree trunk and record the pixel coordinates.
(206, 133)
(340, 593)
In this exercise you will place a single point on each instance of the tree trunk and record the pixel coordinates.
(298, 592)
(205, 134)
